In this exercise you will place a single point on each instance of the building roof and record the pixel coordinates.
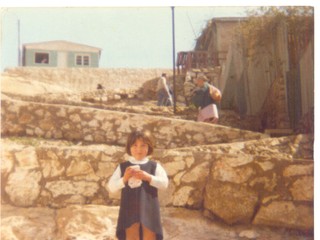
(228, 19)
(61, 45)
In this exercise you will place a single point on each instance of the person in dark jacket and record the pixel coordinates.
(205, 95)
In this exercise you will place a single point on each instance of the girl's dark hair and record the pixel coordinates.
(145, 136)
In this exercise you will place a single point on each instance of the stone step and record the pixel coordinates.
(278, 132)
(289, 147)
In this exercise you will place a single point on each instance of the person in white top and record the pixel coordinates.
(163, 92)
(139, 180)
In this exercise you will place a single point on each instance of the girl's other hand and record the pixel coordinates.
(144, 176)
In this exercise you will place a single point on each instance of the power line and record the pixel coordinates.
(191, 25)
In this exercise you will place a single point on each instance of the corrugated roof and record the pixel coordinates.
(61, 46)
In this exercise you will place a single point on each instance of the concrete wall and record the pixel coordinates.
(225, 32)
(258, 81)
(216, 38)
(249, 74)
(307, 79)
(274, 112)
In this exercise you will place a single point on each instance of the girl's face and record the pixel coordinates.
(139, 149)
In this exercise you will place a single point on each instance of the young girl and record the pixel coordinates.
(139, 180)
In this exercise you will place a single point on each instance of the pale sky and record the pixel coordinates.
(128, 36)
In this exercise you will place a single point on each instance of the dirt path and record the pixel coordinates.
(178, 224)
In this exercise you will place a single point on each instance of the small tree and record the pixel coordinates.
(262, 22)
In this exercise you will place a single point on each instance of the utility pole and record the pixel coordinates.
(6, 12)
(19, 48)
(174, 64)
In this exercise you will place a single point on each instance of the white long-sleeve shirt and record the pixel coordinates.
(162, 84)
(159, 180)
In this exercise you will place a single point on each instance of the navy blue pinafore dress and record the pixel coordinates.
(139, 204)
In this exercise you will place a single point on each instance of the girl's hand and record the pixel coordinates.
(128, 174)
(144, 176)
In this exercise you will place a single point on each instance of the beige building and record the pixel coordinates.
(216, 38)
(211, 47)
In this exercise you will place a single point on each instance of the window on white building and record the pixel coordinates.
(86, 60)
(82, 60)
(42, 58)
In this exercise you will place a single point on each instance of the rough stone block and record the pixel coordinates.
(286, 214)
(230, 202)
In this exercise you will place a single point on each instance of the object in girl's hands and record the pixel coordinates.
(134, 182)
(135, 167)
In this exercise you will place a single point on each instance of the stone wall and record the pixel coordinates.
(102, 126)
(261, 190)
(227, 183)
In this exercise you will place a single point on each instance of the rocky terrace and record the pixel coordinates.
(59, 147)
